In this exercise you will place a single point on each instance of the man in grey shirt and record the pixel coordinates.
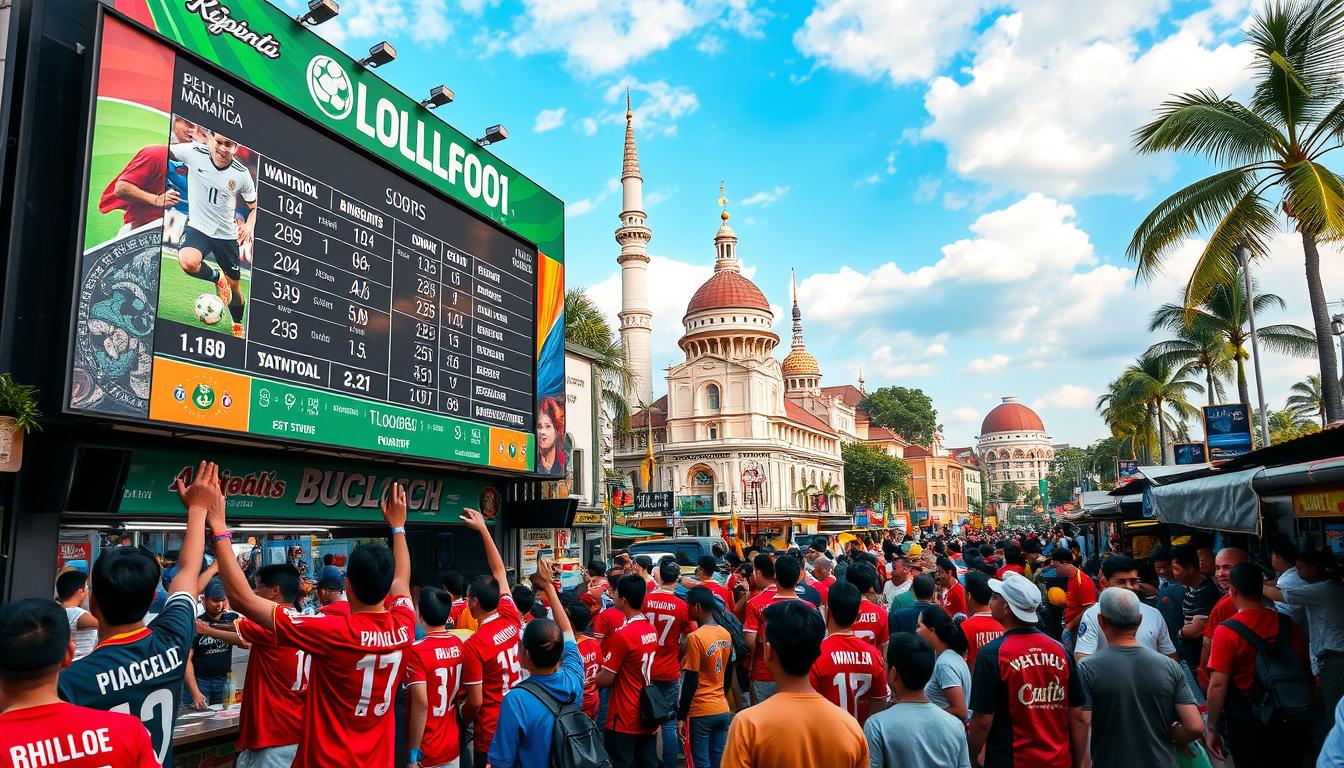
(1323, 598)
(912, 733)
(1140, 706)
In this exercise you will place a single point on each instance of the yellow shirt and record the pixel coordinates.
(795, 730)
(709, 654)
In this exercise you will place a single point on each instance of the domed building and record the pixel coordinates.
(1014, 446)
(731, 411)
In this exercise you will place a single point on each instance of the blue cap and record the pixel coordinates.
(330, 577)
(215, 589)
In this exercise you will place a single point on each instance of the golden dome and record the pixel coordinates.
(799, 361)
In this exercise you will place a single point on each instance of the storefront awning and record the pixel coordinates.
(1222, 502)
(626, 532)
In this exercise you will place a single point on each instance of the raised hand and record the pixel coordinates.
(474, 520)
(394, 505)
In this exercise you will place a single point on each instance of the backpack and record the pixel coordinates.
(728, 620)
(575, 740)
(1283, 688)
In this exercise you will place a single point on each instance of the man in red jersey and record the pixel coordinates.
(604, 625)
(705, 568)
(455, 584)
(627, 666)
(276, 682)
(643, 565)
(773, 578)
(356, 659)
(492, 665)
(822, 578)
(434, 681)
(590, 653)
(872, 623)
(954, 595)
(849, 672)
(981, 627)
(595, 586)
(1224, 609)
(670, 620)
(36, 727)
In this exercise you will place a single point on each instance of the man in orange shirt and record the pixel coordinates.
(797, 727)
(1082, 592)
(703, 715)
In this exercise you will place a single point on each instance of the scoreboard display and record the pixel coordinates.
(247, 271)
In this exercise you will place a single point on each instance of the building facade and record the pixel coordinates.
(739, 435)
(1014, 447)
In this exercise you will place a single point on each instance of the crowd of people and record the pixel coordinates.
(945, 650)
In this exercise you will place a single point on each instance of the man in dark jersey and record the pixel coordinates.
(138, 669)
(1026, 696)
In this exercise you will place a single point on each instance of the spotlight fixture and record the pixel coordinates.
(493, 135)
(319, 11)
(380, 54)
(439, 96)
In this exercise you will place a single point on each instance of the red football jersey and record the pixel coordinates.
(607, 622)
(980, 630)
(357, 662)
(591, 653)
(436, 662)
(592, 597)
(148, 170)
(274, 690)
(669, 616)
(74, 737)
(871, 625)
(954, 600)
(628, 653)
(823, 587)
(755, 622)
(491, 661)
(850, 674)
(455, 613)
(337, 608)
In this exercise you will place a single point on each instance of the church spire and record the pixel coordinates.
(797, 313)
(725, 240)
(630, 167)
(633, 235)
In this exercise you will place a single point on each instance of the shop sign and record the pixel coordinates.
(1324, 502)
(74, 552)
(587, 518)
(861, 517)
(876, 516)
(1227, 430)
(1188, 453)
(1126, 470)
(653, 503)
(534, 543)
(696, 504)
(260, 486)
(921, 514)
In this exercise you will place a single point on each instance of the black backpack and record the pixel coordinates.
(728, 620)
(575, 740)
(1283, 687)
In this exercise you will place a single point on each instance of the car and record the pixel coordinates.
(687, 549)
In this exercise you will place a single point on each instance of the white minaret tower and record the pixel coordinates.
(633, 236)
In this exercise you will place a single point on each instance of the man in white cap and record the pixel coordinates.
(1026, 698)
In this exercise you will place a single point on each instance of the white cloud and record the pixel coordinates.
(654, 198)
(903, 40)
(935, 350)
(766, 196)
(1054, 91)
(588, 204)
(657, 106)
(588, 125)
(927, 189)
(869, 180)
(965, 414)
(710, 45)
(990, 364)
(549, 120)
(598, 38)
(1069, 397)
(430, 22)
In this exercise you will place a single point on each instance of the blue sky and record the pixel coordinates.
(951, 179)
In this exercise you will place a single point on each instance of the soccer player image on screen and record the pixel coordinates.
(147, 187)
(216, 181)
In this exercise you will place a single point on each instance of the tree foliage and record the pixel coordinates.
(872, 476)
(1010, 492)
(587, 326)
(905, 411)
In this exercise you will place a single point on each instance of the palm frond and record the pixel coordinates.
(1218, 128)
(1288, 339)
(1201, 205)
(1251, 222)
(1314, 197)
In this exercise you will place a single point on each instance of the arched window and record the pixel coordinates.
(712, 397)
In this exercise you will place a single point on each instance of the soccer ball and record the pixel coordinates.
(209, 309)
(329, 84)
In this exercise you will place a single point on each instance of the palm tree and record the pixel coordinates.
(804, 495)
(1275, 145)
(1224, 314)
(1287, 425)
(587, 326)
(1306, 399)
(831, 490)
(1162, 389)
(1131, 428)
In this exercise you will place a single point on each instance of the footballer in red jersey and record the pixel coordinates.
(627, 669)
(786, 571)
(850, 671)
(606, 622)
(668, 614)
(277, 676)
(434, 679)
(590, 653)
(357, 660)
(872, 624)
(491, 664)
(37, 728)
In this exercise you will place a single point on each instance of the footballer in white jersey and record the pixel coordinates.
(215, 183)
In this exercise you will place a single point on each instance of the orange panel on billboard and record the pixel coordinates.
(188, 394)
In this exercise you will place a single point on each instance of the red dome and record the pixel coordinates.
(728, 289)
(1011, 416)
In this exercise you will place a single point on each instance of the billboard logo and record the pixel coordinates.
(219, 21)
(329, 86)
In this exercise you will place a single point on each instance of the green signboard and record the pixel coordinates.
(696, 504)
(278, 490)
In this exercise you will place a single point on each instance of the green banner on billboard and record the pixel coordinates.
(264, 46)
(278, 490)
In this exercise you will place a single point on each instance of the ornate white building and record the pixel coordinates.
(731, 407)
(1014, 446)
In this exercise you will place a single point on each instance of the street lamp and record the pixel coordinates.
(319, 11)
(1244, 257)
(1337, 326)
(493, 135)
(439, 96)
(380, 54)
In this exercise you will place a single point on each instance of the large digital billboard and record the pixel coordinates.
(247, 271)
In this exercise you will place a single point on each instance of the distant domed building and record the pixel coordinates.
(1014, 446)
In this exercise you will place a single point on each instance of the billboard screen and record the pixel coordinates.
(245, 271)
(1227, 430)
